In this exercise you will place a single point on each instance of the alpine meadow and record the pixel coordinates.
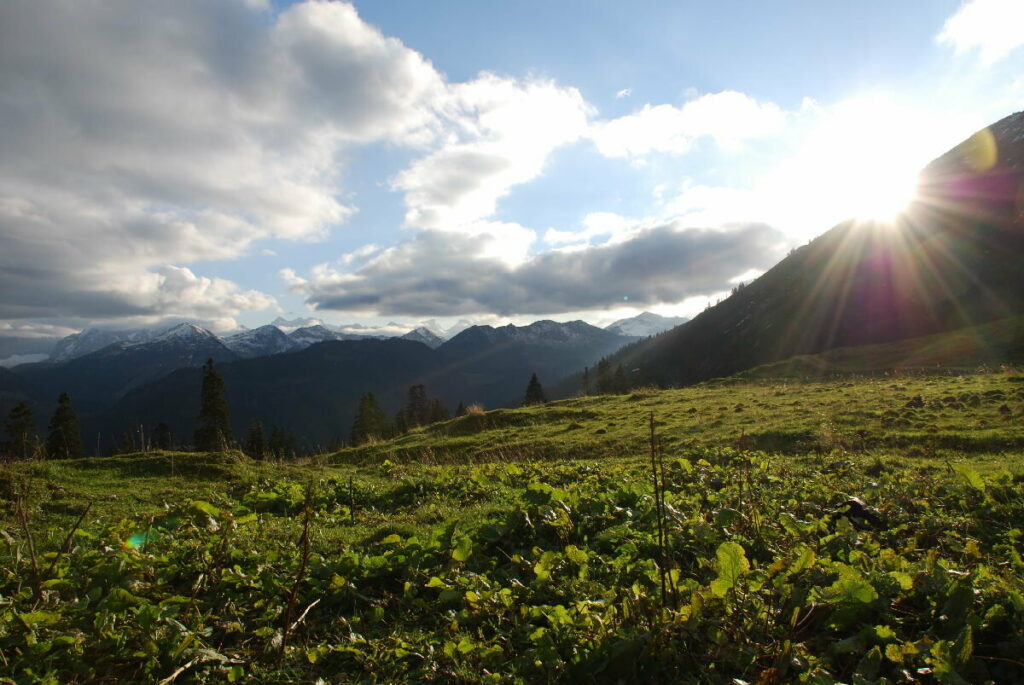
(350, 342)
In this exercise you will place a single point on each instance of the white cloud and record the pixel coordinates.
(594, 224)
(359, 254)
(137, 137)
(995, 28)
(502, 132)
(624, 93)
(728, 117)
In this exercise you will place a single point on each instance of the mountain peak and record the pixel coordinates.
(424, 335)
(645, 324)
(184, 331)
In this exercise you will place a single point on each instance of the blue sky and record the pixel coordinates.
(228, 162)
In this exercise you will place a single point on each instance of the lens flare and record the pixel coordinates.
(980, 151)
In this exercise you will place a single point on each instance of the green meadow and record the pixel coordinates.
(760, 530)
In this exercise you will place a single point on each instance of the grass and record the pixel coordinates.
(518, 545)
(969, 414)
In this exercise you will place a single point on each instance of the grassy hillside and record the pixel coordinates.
(966, 349)
(971, 413)
(531, 545)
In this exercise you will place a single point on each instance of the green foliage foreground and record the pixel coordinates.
(527, 572)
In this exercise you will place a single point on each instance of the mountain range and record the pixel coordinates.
(293, 379)
(951, 262)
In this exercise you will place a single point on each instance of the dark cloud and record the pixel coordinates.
(445, 274)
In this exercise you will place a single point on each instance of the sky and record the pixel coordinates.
(231, 161)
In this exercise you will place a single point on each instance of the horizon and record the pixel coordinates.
(371, 162)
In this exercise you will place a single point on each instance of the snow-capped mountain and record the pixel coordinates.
(101, 376)
(183, 333)
(93, 339)
(425, 336)
(645, 324)
(310, 335)
(260, 342)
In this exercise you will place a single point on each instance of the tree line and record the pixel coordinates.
(213, 424)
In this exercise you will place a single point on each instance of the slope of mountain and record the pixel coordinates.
(425, 336)
(493, 365)
(311, 335)
(97, 379)
(315, 392)
(963, 350)
(952, 261)
(645, 324)
(12, 391)
(260, 342)
(92, 340)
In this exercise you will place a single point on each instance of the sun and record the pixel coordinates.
(879, 194)
(862, 160)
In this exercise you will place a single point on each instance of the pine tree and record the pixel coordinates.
(460, 410)
(162, 436)
(213, 433)
(370, 422)
(604, 377)
(417, 409)
(438, 412)
(21, 432)
(65, 439)
(585, 386)
(276, 445)
(256, 441)
(534, 393)
(401, 423)
(620, 384)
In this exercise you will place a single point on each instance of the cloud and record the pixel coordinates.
(141, 136)
(624, 93)
(595, 224)
(501, 133)
(992, 27)
(444, 274)
(727, 117)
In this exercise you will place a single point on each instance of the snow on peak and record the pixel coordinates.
(260, 342)
(424, 335)
(185, 331)
(645, 324)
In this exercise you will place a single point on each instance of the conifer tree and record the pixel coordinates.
(460, 410)
(604, 377)
(620, 384)
(585, 385)
(417, 408)
(65, 439)
(370, 421)
(213, 434)
(438, 412)
(21, 432)
(256, 441)
(534, 392)
(401, 424)
(162, 436)
(276, 445)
